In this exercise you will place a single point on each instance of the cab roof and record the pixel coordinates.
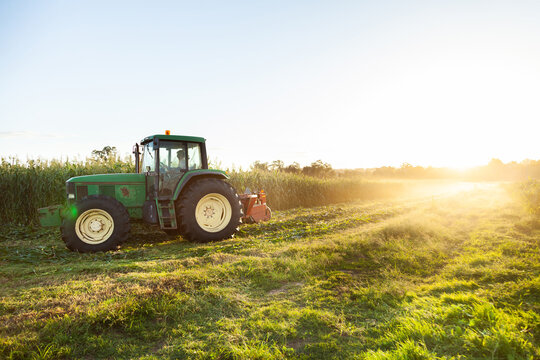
(173, 138)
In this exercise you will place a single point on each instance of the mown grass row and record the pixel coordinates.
(24, 187)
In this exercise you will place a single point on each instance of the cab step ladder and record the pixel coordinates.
(166, 214)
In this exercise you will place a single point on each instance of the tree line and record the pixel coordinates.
(495, 170)
(317, 168)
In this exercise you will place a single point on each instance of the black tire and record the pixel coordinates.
(104, 206)
(199, 190)
(268, 212)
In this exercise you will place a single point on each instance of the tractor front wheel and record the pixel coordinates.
(98, 223)
(209, 210)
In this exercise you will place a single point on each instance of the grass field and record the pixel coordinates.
(435, 277)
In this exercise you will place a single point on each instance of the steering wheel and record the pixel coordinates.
(163, 167)
(164, 173)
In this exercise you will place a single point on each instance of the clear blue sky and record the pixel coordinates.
(354, 83)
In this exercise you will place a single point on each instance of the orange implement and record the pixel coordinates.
(255, 208)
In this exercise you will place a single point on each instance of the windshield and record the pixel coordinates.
(148, 161)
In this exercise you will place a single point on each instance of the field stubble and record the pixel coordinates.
(450, 276)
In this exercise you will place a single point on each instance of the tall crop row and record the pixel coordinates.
(529, 192)
(24, 187)
(38, 183)
(287, 190)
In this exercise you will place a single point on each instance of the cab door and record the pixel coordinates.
(148, 167)
(173, 164)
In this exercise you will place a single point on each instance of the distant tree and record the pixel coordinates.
(385, 171)
(294, 168)
(495, 163)
(106, 154)
(351, 172)
(277, 165)
(257, 165)
(318, 168)
(408, 171)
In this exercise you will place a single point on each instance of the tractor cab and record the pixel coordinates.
(165, 159)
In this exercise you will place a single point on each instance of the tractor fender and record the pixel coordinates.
(194, 176)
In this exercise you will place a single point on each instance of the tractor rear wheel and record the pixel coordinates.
(99, 223)
(268, 213)
(209, 210)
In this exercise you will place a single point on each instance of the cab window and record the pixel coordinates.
(194, 156)
(172, 156)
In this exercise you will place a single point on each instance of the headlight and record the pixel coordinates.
(70, 190)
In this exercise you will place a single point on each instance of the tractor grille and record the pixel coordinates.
(82, 191)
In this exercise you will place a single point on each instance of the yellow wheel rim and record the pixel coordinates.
(213, 212)
(94, 226)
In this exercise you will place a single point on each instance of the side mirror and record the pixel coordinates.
(137, 157)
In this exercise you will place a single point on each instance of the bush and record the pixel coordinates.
(530, 195)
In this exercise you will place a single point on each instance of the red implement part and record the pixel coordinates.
(255, 209)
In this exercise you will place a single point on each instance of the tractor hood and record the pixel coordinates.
(108, 179)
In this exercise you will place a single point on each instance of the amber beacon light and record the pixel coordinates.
(167, 132)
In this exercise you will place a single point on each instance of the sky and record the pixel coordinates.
(357, 84)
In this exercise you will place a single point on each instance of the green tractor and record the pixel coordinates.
(172, 186)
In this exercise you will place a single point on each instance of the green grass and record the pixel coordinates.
(450, 277)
